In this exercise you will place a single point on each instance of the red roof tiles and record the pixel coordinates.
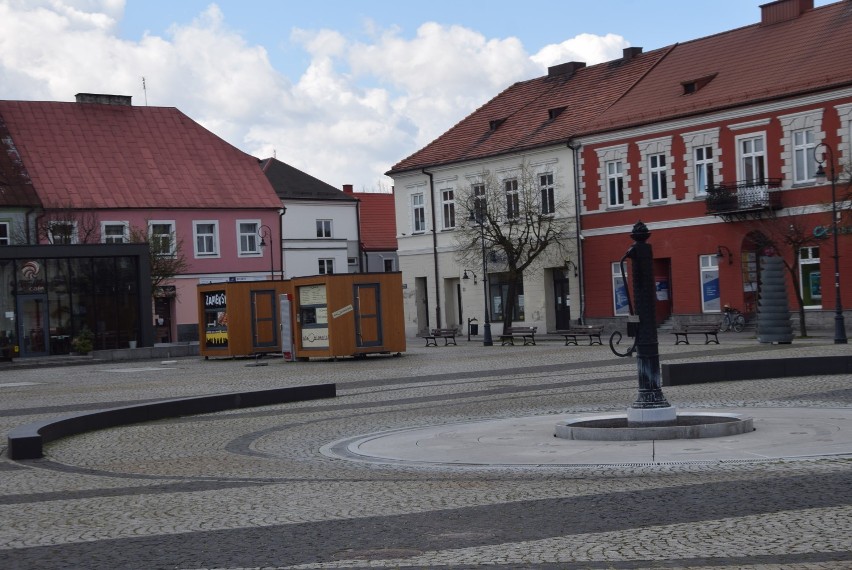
(378, 221)
(94, 156)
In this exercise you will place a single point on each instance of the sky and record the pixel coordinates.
(340, 89)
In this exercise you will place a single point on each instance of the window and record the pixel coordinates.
(352, 261)
(323, 228)
(499, 289)
(206, 238)
(513, 202)
(657, 175)
(710, 296)
(619, 291)
(753, 160)
(703, 169)
(161, 236)
(448, 209)
(479, 201)
(804, 161)
(247, 237)
(114, 232)
(62, 233)
(5, 238)
(388, 263)
(615, 183)
(418, 211)
(326, 266)
(548, 200)
(810, 276)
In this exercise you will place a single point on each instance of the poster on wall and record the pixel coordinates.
(710, 291)
(662, 288)
(215, 319)
(622, 307)
(313, 316)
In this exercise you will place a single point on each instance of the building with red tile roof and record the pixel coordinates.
(707, 141)
(377, 224)
(100, 169)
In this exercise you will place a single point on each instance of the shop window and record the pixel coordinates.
(499, 289)
(710, 295)
(810, 277)
(620, 303)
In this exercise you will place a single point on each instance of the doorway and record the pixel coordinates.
(368, 322)
(421, 300)
(264, 319)
(33, 330)
(562, 299)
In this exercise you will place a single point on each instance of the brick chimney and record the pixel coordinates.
(783, 11)
(567, 69)
(347, 188)
(101, 99)
(629, 53)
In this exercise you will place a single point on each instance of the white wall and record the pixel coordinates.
(302, 249)
(415, 252)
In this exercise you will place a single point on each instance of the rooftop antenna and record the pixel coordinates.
(274, 154)
(144, 90)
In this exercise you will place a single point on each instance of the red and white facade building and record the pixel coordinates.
(716, 150)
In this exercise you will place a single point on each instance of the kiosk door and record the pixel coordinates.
(368, 322)
(264, 319)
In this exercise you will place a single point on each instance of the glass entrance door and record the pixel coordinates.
(32, 310)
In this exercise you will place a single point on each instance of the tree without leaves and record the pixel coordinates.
(519, 223)
(167, 259)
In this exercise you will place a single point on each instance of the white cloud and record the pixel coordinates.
(357, 109)
(588, 48)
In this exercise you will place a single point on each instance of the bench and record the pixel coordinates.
(592, 331)
(682, 333)
(446, 334)
(527, 334)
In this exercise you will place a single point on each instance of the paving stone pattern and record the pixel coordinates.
(250, 488)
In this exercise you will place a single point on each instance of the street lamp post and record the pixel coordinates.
(478, 217)
(265, 232)
(839, 325)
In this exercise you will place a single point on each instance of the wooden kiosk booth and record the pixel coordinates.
(349, 314)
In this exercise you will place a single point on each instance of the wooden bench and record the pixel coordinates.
(527, 334)
(446, 334)
(682, 333)
(592, 331)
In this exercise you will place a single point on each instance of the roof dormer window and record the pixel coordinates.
(555, 112)
(493, 124)
(694, 85)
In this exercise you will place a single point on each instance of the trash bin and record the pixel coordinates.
(474, 329)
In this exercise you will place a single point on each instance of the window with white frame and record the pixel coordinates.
(703, 169)
(323, 228)
(448, 209)
(5, 235)
(620, 303)
(206, 235)
(479, 200)
(546, 191)
(326, 266)
(513, 199)
(804, 161)
(114, 232)
(247, 237)
(657, 177)
(752, 151)
(418, 212)
(161, 237)
(810, 276)
(62, 233)
(615, 183)
(710, 295)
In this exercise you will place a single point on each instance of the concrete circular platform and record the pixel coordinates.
(780, 433)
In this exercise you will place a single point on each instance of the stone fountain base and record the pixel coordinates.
(685, 426)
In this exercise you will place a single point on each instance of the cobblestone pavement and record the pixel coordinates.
(251, 489)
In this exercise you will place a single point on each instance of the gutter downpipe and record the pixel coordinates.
(434, 249)
(281, 240)
(581, 289)
(361, 252)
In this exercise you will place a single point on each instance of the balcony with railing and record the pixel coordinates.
(744, 199)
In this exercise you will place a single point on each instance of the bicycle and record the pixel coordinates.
(733, 319)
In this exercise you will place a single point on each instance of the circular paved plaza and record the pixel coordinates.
(408, 467)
